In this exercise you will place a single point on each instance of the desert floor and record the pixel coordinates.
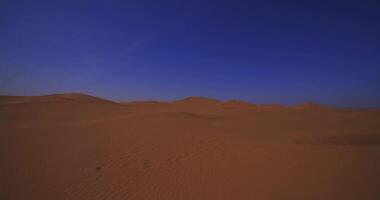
(74, 146)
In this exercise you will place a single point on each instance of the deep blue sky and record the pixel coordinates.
(261, 51)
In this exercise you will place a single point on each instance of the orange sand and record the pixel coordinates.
(75, 146)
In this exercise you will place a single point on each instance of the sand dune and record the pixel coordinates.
(238, 104)
(75, 146)
(54, 98)
(194, 101)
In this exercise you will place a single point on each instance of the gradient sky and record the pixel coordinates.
(284, 52)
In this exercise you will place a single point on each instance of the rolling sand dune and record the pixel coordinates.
(75, 146)
(197, 101)
(238, 104)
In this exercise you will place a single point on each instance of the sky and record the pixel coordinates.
(285, 52)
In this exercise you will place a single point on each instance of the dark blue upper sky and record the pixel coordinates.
(261, 51)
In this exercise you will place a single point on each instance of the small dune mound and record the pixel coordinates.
(67, 97)
(312, 106)
(237, 104)
(271, 106)
(197, 101)
(16, 100)
(78, 97)
(146, 104)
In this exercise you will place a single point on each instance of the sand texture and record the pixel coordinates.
(76, 147)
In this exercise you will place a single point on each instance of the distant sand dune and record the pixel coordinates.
(197, 101)
(237, 103)
(71, 97)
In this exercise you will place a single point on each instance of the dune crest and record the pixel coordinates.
(197, 100)
(313, 106)
(64, 97)
(237, 103)
(79, 97)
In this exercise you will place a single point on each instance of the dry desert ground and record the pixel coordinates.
(76, 146)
